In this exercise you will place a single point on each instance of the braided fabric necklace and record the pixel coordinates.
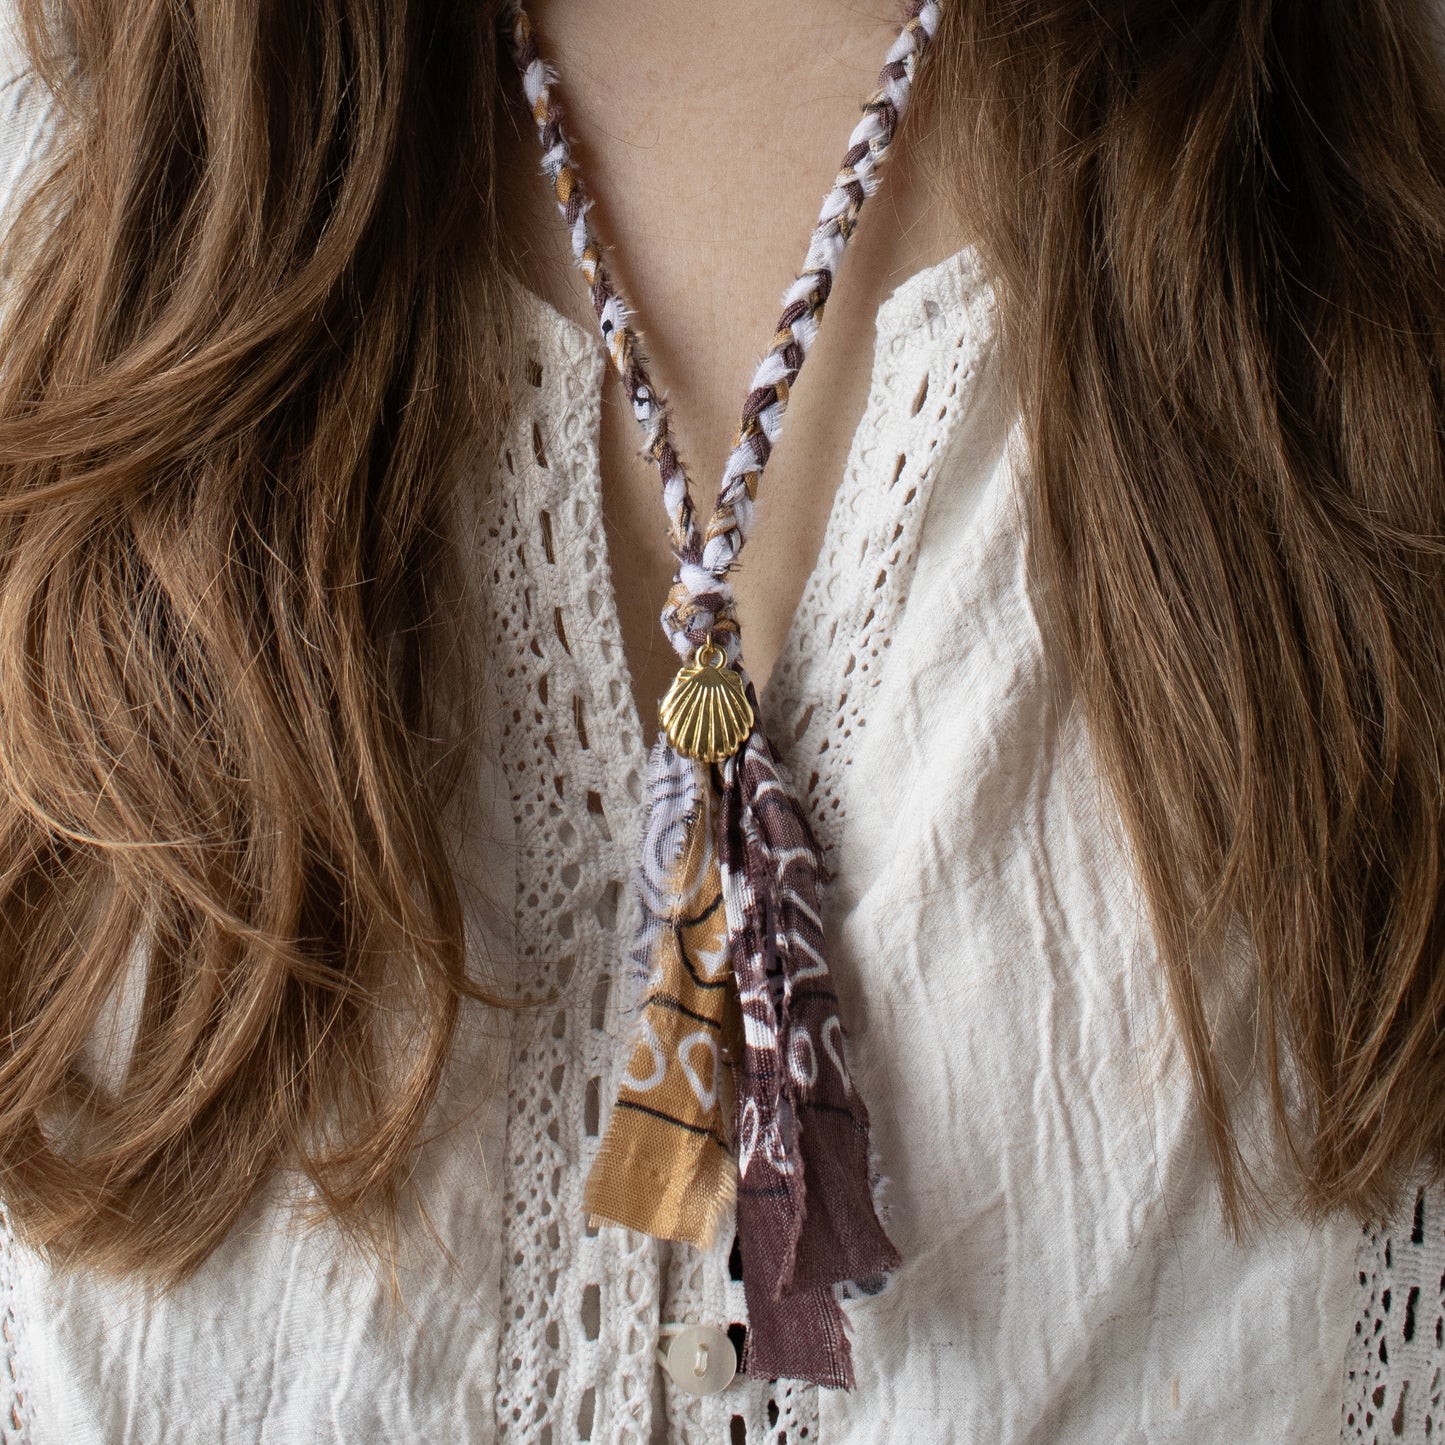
(737, 1088)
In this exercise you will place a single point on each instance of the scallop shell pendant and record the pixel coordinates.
(706, 713)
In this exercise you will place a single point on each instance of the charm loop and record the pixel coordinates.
(706, 713)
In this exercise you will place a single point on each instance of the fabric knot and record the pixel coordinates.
(701, 608)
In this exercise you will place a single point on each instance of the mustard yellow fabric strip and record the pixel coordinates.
(666, 1165)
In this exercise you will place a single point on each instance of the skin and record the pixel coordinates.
(709, 135)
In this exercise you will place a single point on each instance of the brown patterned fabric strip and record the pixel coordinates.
(806, 1219)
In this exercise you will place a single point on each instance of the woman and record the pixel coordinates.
(327, 658)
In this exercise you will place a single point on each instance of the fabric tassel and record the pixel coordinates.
(665, 1166)
(806, 1217)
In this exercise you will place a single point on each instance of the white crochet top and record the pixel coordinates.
(1067, 1278)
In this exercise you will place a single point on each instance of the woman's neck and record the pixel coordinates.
(709, 134)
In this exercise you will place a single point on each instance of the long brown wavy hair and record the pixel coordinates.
(257, 322)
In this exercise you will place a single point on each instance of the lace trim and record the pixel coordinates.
(571, 755)
(819, 695)
(14, 1410)
(1393, 1364)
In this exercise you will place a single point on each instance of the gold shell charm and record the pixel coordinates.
(706, 713)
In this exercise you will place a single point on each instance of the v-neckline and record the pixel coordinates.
(911, 304)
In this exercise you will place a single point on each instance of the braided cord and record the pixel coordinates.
(700, 607)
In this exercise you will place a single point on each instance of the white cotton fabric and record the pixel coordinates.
(1068, 1279)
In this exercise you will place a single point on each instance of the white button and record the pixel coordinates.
(701, 1360)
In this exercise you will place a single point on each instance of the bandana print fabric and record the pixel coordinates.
(806, 1217)
(665, 1166)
